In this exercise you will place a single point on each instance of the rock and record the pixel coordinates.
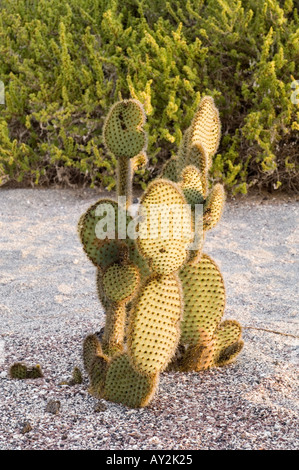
(53, 406)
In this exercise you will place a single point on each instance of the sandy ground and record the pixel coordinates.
(48, 304)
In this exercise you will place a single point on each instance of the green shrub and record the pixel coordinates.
(65, 63)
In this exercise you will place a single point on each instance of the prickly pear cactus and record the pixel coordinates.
(202, 344)
(164, 299)
(20, 371)
(125, 138)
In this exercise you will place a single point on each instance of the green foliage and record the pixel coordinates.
(65, 63)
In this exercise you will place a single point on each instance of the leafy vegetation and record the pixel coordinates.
(64, 64)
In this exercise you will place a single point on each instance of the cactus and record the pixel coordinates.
(154, 327)
(76, 376)
(164, 244)
(18, 371)
(201, 345)
(125, 138)
(164, 298)
(204, 301)
(120, 282)
(124, 384)
(21, 371)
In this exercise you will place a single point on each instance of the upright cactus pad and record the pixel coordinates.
(165, 233)
(155, 324)
(224, 346)
(91, 349)
(123, 133)
(169, 170)
(199, 144)
(205, 342)
(205, 127)
(213, 207)
(192, 186)
(120, 282)
(228, 342)
(204, 301)
(124, 384)
(102, 249)
(124, 136)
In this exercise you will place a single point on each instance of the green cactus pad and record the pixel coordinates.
(198, 157)
(213, 207)
(164, 245)
(120, 282)
(204, 301)
(191, 185)
(18, 371)
(228, 342)
(21, 371)
(123, 133)
(34, 372)
(223, 348)
(102, 253)
(91, 349)
(205, 127)
(124, 384)
(154, 323)
(76, 377)
(97, 376)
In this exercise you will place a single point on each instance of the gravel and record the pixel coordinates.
(48, 304)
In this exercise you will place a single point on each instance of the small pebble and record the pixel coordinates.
(53, 406)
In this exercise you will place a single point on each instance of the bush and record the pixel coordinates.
(64, 63)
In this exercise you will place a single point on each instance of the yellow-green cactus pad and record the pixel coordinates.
(20, 371)
(204, 301)
(91, 349)
(228, 342)
(154, 323)
(166, 229)
(97, 375)
(120, 281)
(76, 377)
(124, 384)
(213, 207)
(103, 252)
(224, 346)
(205, 127)
(198, 157)
(191, 185)
(101, 217)
(123, 132)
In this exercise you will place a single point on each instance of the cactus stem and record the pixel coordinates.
(124, 179)
(114, 333)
